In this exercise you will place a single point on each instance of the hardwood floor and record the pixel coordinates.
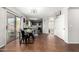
(42, 43)
(73, 47)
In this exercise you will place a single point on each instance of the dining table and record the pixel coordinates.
(29, 34)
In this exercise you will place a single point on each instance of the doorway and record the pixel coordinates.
(51, 25)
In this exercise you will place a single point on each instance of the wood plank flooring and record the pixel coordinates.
(42, 43)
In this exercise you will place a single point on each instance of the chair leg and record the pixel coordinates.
(20, 42)
(26, 40)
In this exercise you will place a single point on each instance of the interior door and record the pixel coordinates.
(11, 27)
(51, 26)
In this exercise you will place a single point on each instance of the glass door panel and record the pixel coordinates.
(11, 29)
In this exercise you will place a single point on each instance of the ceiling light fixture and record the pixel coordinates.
(35, 10)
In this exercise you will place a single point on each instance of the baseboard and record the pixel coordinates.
(61, 39)
(2, 45)
(73, 43)
(66, 41)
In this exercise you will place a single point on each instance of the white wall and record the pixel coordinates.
(2, 27)
(61, 25)
(73, 25)
(45, 25)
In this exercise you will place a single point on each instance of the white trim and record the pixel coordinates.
(62, 39)
(73, 43)
(2, 45)
(66, 41)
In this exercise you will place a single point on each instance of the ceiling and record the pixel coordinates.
(39, 12)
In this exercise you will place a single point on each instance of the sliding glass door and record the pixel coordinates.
(11, 27)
